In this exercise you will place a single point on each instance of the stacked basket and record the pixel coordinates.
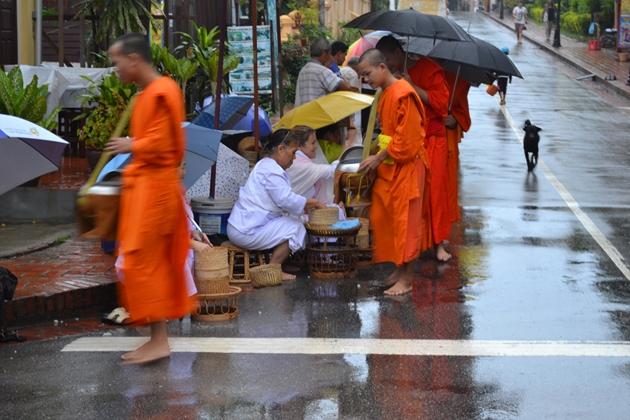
(212, 271)
(323, 217)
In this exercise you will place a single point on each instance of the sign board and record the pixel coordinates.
(430, 7)
(624, 25)
(241, 45)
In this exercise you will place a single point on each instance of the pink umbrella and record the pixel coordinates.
(364, 43)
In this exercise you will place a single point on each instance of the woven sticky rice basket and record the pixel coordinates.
(266, 275)
(363, 237)
(323, 217)
(212, 271)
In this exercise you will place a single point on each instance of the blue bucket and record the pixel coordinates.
(212, 214)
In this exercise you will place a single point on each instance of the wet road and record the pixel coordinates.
(525, 268)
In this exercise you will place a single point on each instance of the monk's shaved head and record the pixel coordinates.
(388, 45)
(373, 57)
(135, 43)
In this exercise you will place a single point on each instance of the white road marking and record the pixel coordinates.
(393, 347)
(572, 203)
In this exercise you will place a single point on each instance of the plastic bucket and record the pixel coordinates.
(594, 45)
(212, 214)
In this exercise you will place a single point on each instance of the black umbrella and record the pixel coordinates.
(476, 58)
(410, 22)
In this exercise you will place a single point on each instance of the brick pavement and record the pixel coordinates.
(59, 281)
(601, 63)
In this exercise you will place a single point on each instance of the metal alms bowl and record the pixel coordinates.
(350, 159)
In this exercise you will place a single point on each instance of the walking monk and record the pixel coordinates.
(457, 123)
(399, 218)
(153, 230)
(429, 82)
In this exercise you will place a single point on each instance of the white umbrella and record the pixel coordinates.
(26, 151)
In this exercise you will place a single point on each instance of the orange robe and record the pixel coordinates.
(153, 229)
(459, 110)
(429, 76)
(398, 216)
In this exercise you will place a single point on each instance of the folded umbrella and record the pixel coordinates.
(26, 151)
(233, 109)
(410, 22)
(325, 110)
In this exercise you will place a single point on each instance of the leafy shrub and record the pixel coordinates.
(536, 13)
(576, 23)
(111, 97)
(27, 102)
(294, 57)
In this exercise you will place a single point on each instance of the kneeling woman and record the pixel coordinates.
(267, 213)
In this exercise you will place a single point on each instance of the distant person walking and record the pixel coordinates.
(315, 78)
(549, 18)
(520, 20)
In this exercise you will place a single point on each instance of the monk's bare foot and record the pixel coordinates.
(401, 287)
(441, 254)
(133, 354)
(148, 352)
(288, 277)
(392, 278)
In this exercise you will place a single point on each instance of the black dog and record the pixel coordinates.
(530, 144)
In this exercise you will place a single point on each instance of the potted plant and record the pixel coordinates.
(107, 102)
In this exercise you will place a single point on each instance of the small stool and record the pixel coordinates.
(240, 261)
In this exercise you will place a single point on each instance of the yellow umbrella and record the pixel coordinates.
(325, 110)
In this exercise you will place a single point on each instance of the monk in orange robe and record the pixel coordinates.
(457, 123)
(399, 218)
(429, 81)
(153, 231)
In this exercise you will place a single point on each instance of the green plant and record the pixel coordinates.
(110, 98)
(181, 70)
(536, 13)
(27, 102)
(294, 57)
(112, 18)
(576, 23)
(202, 48)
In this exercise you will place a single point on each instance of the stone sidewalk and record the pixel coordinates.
(601, 64)
(60, 281)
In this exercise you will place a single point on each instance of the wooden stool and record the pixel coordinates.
(240, 261)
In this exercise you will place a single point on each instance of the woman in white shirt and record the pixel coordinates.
(267, 213)
(308, 177)
(520, 20)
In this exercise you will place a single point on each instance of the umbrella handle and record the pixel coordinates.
(367, 141)
(120, 127)
(450, 104)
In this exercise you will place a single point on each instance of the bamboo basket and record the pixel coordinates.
(323, 217)
(212, 271)
(266, 275)
(218, 307)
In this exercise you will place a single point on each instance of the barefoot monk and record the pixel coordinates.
(428, 80)
(153, 230)
(399, 214)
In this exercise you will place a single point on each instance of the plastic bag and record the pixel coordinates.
(591, 28)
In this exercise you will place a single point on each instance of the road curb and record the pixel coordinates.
(551, 50)
(43, 243)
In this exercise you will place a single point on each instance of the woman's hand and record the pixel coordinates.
(312, 203)
(201, 237)
(119, 145)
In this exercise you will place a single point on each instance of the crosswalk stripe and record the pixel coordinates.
(321, 346)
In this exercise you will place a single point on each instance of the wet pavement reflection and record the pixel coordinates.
(524, 269)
